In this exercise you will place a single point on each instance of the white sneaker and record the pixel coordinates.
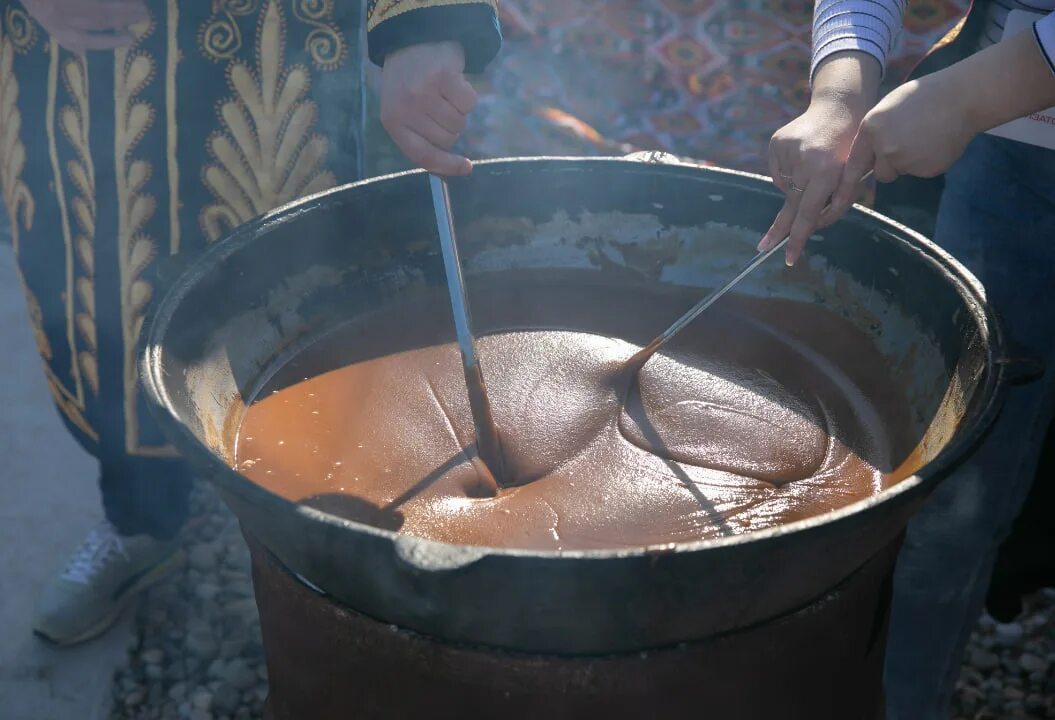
(104, 574)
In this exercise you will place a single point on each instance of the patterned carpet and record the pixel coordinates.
(697, 78)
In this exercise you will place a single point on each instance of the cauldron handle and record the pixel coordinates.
(659, 157)
(1021, 368)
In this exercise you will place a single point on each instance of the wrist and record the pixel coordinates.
(443, 52)
(848, 81)
(960, 91)
(850, 107)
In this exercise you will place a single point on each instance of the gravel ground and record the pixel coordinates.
(1009, 670)
(199, 655)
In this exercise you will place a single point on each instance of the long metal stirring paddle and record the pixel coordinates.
(642, 356)
(488, 442)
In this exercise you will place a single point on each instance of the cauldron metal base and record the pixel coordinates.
(326, 661)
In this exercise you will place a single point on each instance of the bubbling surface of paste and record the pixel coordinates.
(761, 413)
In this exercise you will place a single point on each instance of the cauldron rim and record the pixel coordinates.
(452, 555)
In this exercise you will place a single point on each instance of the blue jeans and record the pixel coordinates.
(997, 216)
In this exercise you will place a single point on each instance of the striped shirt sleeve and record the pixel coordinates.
(868, 26)
(1044, 29)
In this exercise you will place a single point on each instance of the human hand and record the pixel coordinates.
(920, 129)
(924, 126)
(425, 103)
(807, 156)
(81, 25)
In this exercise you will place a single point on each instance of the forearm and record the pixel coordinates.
(1009, 80)
(848, 78)
(863, 26)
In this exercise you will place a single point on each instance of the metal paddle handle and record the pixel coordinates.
(488, 442)
(642, 356)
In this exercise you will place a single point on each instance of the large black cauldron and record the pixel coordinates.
(301, 270)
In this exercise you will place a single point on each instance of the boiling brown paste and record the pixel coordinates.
(761, 413)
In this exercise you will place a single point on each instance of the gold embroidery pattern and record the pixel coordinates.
(21, 208)
(267, 154)
(36, 320)
(20, 29)
(74, 121)
(172, 58)
(325, 44)
(59, 189)
(133, 117)
(17, 198)
(219, 37)
(68, 407)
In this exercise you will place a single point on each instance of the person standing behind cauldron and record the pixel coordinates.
(190, 118)
(997, 216)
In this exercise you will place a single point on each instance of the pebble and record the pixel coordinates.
(232, 648)
(243, 609)
(1033, 664)
(226, 699)
(239, 675)
(207, 592)
(201, 699)
(216, 668)
(984, 660)
(1008, 635)
(178, 692)
(970, 700)
(134, 698)
(203, 557)
(243, 589)
(202, 645)
(198, 626)
(1035, 703)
